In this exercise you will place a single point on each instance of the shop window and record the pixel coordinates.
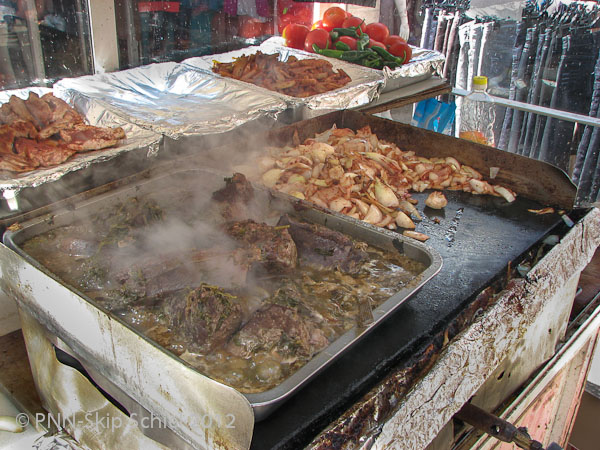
(43, 40)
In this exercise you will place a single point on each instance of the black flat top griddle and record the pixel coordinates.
(477, 237)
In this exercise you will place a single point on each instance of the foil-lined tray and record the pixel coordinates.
(174, 99)
(363, 88)
(423, 64)
(95, 114)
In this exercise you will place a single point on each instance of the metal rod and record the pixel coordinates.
(35, 41)
(541, 110)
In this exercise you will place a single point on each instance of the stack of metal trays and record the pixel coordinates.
(174, 99)
(363, 89)
(29, 190)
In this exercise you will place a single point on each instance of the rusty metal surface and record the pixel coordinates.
(467, 361)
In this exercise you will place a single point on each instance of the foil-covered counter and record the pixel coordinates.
(173, 99)
(363, 88)
(12, 184)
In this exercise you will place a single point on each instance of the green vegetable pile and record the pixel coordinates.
(374, 57)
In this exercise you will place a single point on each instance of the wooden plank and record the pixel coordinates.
(15, 373)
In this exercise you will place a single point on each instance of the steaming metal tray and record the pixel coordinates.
(170, 187)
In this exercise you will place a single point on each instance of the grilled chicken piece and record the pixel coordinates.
(83, 137)
(16, 163)
(28, 125)
(277, 249)
(61, 109)
(7, 115)
(7, 138)
(20, 109)
(322, 247)
(207, 316)
(39, 110)
(43, 153)
(24, 129)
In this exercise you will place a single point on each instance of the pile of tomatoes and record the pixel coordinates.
(323, 34)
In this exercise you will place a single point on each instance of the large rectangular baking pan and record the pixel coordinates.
(265, 402)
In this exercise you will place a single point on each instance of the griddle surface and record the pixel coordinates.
(477, 237)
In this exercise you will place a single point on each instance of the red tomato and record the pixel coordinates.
(402, 50)
(355, 22)
(373, 43)
(334, 17)
(377, 31)
(317, 36)
(348, 40)
(319, 24)
(294, 35)
(392, 39)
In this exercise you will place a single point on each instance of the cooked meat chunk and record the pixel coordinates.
(43, 153)
(7, 138)
(20, 109)
(208, 316)
(323, 247)
(234, 199)
(87, 137)
(33, 121)
(237, 188)
(39, 110)
(7, 115)
(61, 111)
(15, 163)
(24, 129)
(278, 251)
(281, 329)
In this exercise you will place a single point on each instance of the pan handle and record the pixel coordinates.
(499, 428)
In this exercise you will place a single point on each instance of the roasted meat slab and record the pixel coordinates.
(46, 131)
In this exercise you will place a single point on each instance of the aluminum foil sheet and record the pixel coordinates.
(363, 88)
(95, 114)
(174, 99)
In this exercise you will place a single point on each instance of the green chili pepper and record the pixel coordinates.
(387, 56)
(350, 31)
(328, 52)
(339, 45)
(356, 55)
(362, 41)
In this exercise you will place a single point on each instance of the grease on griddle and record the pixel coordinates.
(450, 234)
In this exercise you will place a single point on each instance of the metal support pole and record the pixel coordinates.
(103, 26)
(37, 54)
